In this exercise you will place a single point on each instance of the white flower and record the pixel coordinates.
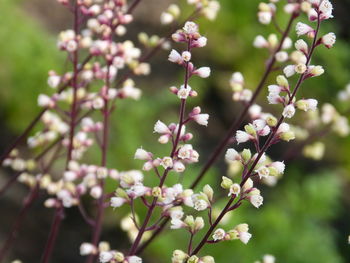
(255, 111)
(137, 191)
(312, 104)
(176, 223)
(300, 68)
(45, 101)
(232, 155)
(166, 18)
(185, 151)
(203, 72)
(329, 40)
(263, 171)
(235, 189)
(53, 81)
(87, 249)
(269, 259)
(281, 56)
(178, 167)
(167, 162)
(279, 166)
(237, 77)
(96, 191)
(326, 9)
(106, 256)
(289, 70)
(211, 10)
(301, 45)
(316, 71)
(175, 57)
(141, 154)
(186, 56)
(190, 27)
(183, 92)
(245, 237)
(199, 204)
(161, 128)
(287, 43)
(70, 176)
(260, 42)
(219, 234)
(284, 127)
(265, 17)
(242, 136)
(201, 119)
(256, 200)
(303, 29)
(274, 98)
(130, 178)
(201, 42)
(117, 202)
(134, 259)
(289, 111)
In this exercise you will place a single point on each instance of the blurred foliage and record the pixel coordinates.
(297, 221)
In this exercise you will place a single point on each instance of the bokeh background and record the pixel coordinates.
(305, 218)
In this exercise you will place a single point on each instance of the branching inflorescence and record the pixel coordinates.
(101, 71)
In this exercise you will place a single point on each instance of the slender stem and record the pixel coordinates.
(189, 249)
(237, 122)
(58, 217)
(18, 221)
(84, 214)
(213, 226)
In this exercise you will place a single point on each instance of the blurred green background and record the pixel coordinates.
(305, 218)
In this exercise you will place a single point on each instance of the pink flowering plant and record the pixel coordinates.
(76, 117)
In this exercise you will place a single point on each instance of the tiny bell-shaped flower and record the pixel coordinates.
(303, 29)
(161, 128)
(175, 57)
(183, 92)
(219, 234)
(315, 71)
(179, 256)
(256, 200)
(302, 46)
(232, 155)
(186, 56)
(106, 256)
(134, 259)
(203, 72)
(242, 137)
(235, 189)
(329, 40)
(141, 154)
(288, 111)
(87, 249)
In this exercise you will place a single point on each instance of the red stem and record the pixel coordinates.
(58, 217)
(19, 220)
